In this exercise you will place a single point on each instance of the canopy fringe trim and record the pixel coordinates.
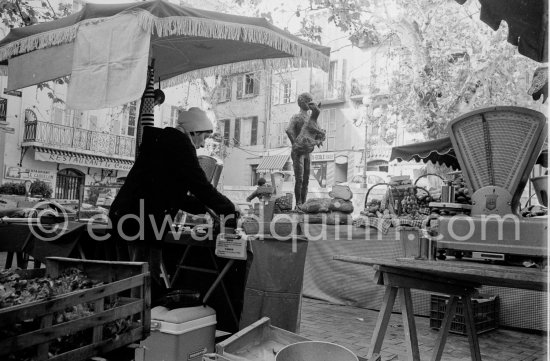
(186, 26)
(208, 28)
(39, 41)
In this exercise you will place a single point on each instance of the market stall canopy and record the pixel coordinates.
(117, 41)
(527, 24)
(272, 163)
(439, 151)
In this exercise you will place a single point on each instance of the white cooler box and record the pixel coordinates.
(183, 334)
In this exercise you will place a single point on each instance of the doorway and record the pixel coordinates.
(68, 184)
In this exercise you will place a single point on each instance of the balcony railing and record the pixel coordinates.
(62, 136)
(329, 92)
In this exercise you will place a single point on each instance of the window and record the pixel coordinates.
(131, 130)
(254, 131)
(327, 121)
(248, 131)
(282, 138)
(332, 74)
(78, 120)
(284, 93)
(57, 114)
(224, 90)
(248, 85)
(336, 75)
(237, 132)
(254, 176)
(225, 125)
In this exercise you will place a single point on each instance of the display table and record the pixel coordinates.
(344, 283)
(457, 279)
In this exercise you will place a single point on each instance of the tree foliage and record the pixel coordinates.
(19, 13)
(449, 61)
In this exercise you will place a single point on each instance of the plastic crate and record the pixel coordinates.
(486, 312)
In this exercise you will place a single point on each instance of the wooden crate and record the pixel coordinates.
(127, 282)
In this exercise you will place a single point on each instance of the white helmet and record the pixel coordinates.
(195, 120)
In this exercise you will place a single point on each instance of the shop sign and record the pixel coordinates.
(322, 157)
(20, 173)
(15, 93)
(82, 160)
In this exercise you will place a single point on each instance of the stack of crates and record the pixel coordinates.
(486, 312)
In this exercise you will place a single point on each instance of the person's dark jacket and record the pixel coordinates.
(166, 169)
(259, 192)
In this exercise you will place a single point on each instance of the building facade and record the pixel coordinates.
(353, 73)
(69, 149)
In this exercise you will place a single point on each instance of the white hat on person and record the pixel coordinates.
(195, 120)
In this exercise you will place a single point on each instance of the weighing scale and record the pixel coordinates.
(496, 148)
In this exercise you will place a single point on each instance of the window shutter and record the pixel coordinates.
(240, 83)
(254, 132)
(229, 83)
(226, 131)
(256, 83)
(293, 90)
(275, 92)
(344, 69)
(237, 131)
(332, 124)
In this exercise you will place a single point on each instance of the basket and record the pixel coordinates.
(37, 318)
(428, 175)
(367, 203)
(395, 196)
(498, 146)
(486, 313)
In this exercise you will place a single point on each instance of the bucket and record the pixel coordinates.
(315, 351)
(541, 188)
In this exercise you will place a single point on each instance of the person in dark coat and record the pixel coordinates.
(159, 184)
(262, 190)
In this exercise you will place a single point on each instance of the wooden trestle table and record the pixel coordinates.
(458, 279)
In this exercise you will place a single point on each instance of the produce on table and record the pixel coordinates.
(534, 211)
(462, 193)
(15, 290)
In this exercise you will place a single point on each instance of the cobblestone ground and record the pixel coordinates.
(352, 327)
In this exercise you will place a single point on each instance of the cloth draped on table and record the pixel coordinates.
(351, 284)
(109, 63)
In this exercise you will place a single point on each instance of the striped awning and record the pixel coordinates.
(272, 163)
(86, 160)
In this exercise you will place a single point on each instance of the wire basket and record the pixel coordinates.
(498, 146)
(435, 195)
(394, 197)
(367, 202)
